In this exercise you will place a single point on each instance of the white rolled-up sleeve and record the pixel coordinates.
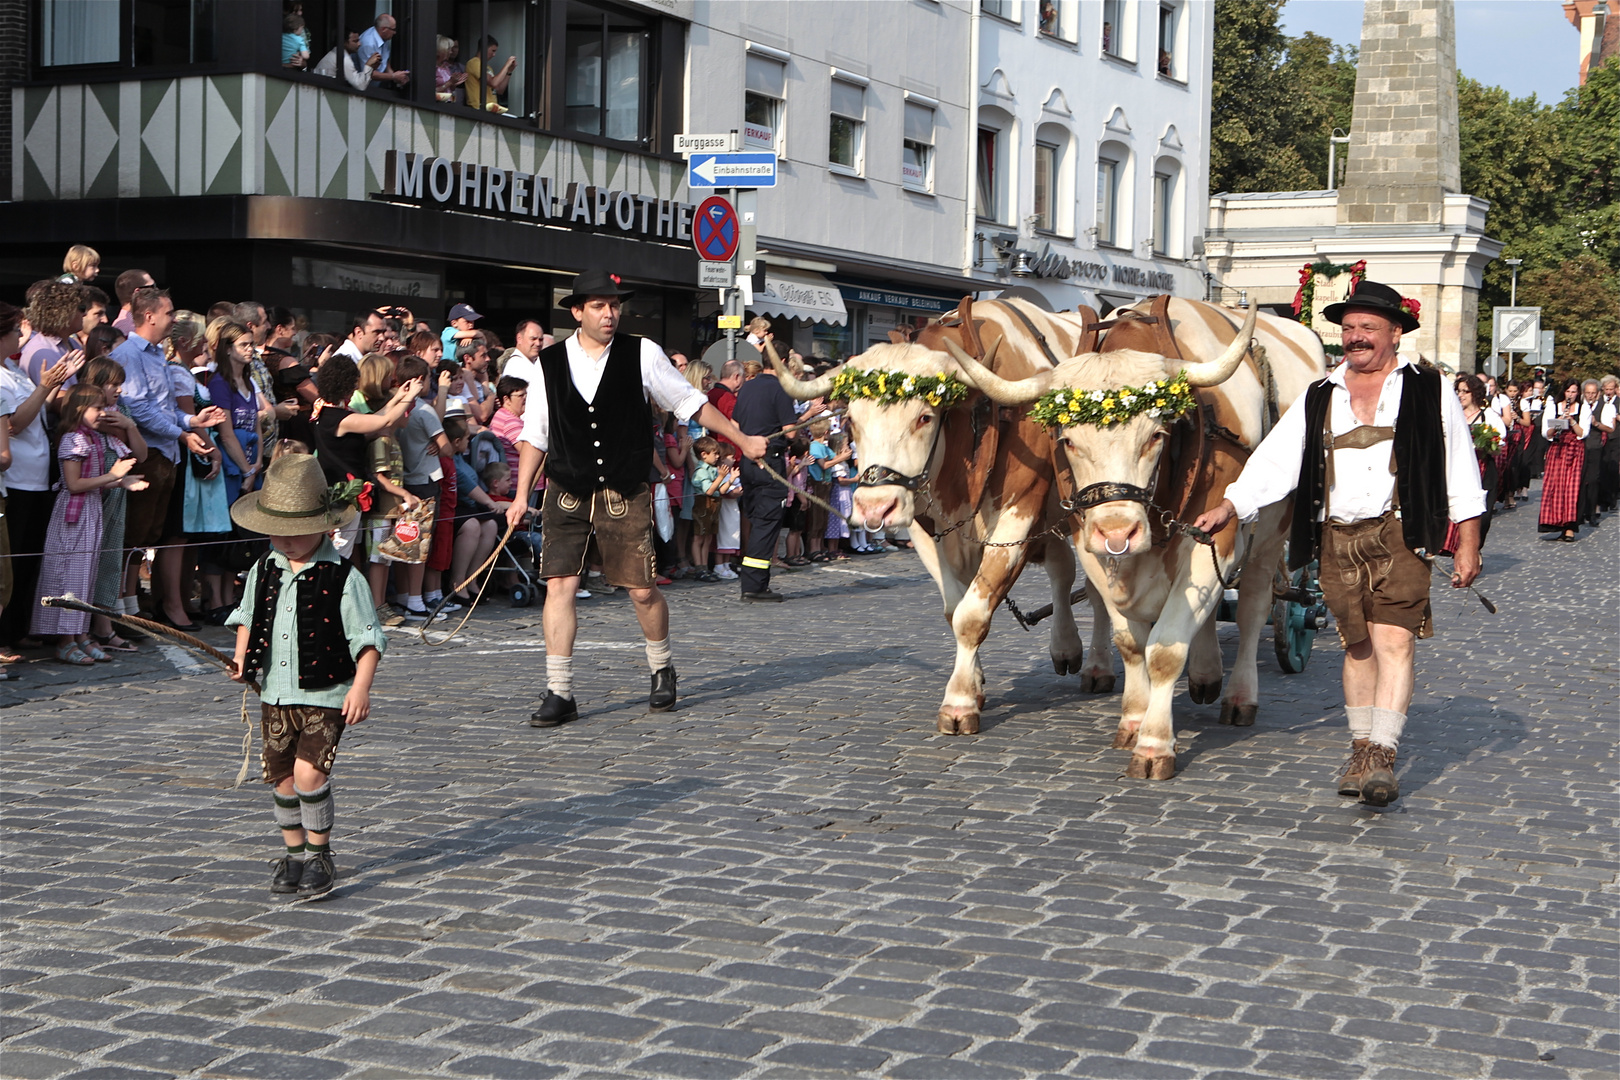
(536, 415)
(667, 386)
(1465, 498)
(1273, 468)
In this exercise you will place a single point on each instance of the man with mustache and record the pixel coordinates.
(1374, 513)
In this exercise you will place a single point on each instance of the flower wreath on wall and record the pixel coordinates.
(1307, 283)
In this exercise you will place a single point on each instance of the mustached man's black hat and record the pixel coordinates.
(1379, 298)
(594, 283)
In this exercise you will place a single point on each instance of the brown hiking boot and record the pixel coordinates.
(1355, 770)
(1379, 787)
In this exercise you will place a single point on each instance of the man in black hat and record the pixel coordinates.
(1373, 513)
(588, 424)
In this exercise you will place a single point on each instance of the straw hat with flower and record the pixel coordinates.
(294, 501)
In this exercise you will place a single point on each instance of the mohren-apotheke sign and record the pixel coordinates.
(443, 184)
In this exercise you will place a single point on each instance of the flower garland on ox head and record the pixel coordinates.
(1308, 274)
(893, 387)
(1163, 399)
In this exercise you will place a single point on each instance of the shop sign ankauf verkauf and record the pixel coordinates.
(514, 195)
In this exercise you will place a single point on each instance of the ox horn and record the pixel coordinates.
(796, 387)
(1212, 372)
(1003, 391)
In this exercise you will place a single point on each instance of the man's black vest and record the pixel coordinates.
(323, 656)
(604, 443)
(1420, 468)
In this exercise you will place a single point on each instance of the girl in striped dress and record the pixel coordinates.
(73, 538)
(1564, 463)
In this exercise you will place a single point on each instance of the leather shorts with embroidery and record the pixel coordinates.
(1368, 575)
(620, 523)
(310, 732)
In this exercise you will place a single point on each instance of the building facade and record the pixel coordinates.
(1090, 159)
(928, 149)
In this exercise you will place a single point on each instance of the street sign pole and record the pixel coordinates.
(733, 299)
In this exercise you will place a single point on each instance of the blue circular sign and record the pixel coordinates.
(714, 230)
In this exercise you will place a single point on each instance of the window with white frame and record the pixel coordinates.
(1161, 212)
(917, 150)
(993, 167)
(763, 99)
(847, 126)
(1118, 28)
(1046, 165)
(1002, 9)
(1108, 170)
(1059, 19)
(1169, 54)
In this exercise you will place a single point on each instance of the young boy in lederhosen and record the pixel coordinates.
(307, 632)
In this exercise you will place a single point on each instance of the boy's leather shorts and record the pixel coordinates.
(621, 523)
(291, 732)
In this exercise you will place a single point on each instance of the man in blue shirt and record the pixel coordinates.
(379, 41)
(149, 401)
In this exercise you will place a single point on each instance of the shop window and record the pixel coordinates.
(1046, 158)
(1107, 201)
(1169, 55)
(1001, 9)
(1059, 20)
(917, 150)
(606, 61)
(847, 127)
(763, 102)
(166, 33)
(491, 44)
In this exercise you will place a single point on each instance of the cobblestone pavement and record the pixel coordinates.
(793, 875)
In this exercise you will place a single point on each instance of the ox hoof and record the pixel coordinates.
(1204, 693)
(1124, 739)
(1097, 684)
(1238, 715)
(1068, 665)
(1143, 767)
(958, 721)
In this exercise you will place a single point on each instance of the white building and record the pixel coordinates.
(1091, 161)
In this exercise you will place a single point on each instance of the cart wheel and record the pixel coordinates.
(522, 595)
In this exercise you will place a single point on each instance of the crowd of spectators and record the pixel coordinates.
(129, 426)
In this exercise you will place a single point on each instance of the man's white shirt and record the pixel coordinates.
(519, 366)
(1363, 486)
(659, 379)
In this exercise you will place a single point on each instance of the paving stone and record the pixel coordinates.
(727, 1042)
(903, 1040)
(262, 1066)
(689, 1067)
(487, 1067)
(31, 1065)
(1020, 1055)
(164, 1054)
(828, 1057)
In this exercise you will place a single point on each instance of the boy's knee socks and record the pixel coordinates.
(288, 813)
(316, 808)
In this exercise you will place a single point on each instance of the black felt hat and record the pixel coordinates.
(594, 283)
(1379, 298)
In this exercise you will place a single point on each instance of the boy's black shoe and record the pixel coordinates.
(553, 711)
(285, 873)
(764, 596)
(662, 698)
(319, 873)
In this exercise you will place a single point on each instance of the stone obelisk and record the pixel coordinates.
(1403, 162)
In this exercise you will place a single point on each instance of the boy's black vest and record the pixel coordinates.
(323, 657)
(1420, 468)
(605, 443)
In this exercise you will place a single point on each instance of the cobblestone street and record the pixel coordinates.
(793, 875)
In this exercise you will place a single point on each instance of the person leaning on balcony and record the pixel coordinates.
(477, 95)
(357, 72)
(379, 40)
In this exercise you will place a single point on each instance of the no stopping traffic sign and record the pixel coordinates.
(714, 230)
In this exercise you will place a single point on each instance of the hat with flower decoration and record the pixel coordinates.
(594, 283)
(1378, 298)
(295, 500)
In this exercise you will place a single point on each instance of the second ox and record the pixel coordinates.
(1114, 414)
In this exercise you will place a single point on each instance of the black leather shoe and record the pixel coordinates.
(554, 710)
(764, 596)
(285, 873)
(662, 698)
(319, 874)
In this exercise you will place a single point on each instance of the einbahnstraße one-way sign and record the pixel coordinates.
(747, 170)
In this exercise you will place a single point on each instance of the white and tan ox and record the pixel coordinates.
(1160, 586)
(978, 478)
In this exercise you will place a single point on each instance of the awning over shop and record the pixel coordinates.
(800, 295)
(906, 300)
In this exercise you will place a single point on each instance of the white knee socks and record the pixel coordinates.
(560, 675)
(1360, 720)
(659, 655)
(1386, 727)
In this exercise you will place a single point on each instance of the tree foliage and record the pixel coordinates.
(1274, 101)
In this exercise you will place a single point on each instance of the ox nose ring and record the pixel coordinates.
(1108, 546)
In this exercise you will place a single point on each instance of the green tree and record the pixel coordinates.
(1580, 303)
(1321, 89)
